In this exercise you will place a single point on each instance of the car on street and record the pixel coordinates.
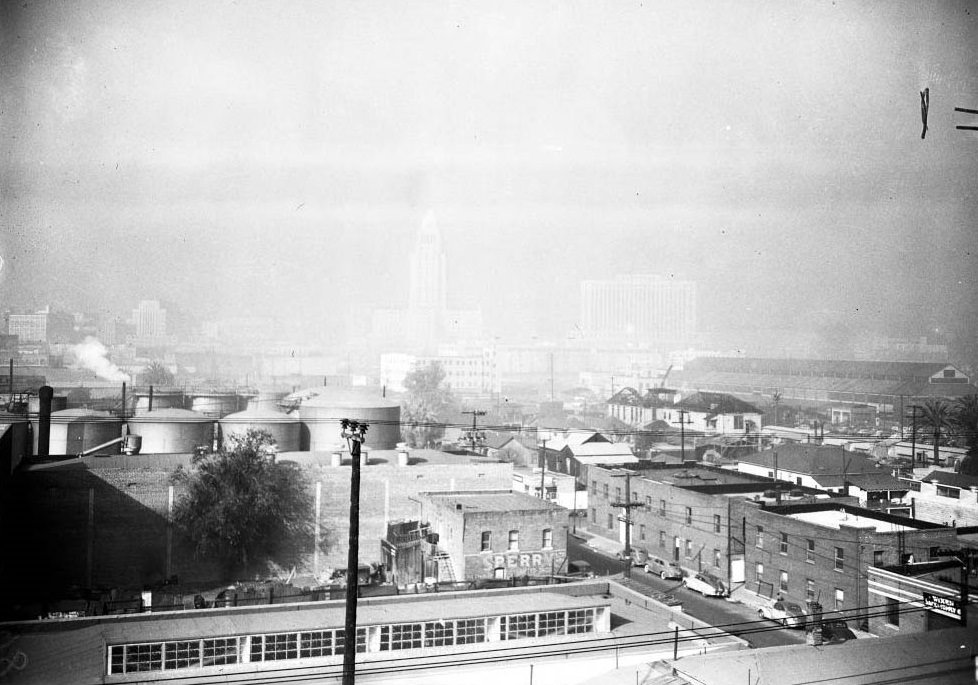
(579, 569)
(788, 614)
(835, 629)
(637, 556)
(663, 568)
(706, 584)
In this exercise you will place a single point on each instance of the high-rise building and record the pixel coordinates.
(45, 326)
(149, 319)
(428, 268)
(647, 308)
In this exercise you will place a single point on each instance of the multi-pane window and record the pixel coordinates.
(486, 541)
(760, 537)
(618, 494)
(716, 523)
(689, 549)
(518, 626)
(594, 515)
(945, 491)
(605, 489)
(877, 557)
(514, 540)
(580, 621)
(220, 651)
(783, 581)
(470, 631)
(716, 558)
(689, 516)
(662, 539)
(641, 531)
(316, 643)
(548, 538)
(648, 503)
(401, 636)
(840, 598)
(783, 548)
(274, 647)
(839, 559)
(611, 521)
(182, 654)
(439, 634)
(810, 589)
(662, 507)
(810, 552)
(551, 623)
(594, 487)
(340, 639)
(759, 570)
(148, 657)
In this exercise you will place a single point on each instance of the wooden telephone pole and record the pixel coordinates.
(627, 506)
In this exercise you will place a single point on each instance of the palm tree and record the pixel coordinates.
(965, 417)
(936, 415)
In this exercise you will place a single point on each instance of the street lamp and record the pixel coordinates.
(354, 433)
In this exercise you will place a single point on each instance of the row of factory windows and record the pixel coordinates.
(513, 540)
(222, 651)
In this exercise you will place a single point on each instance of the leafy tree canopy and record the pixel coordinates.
(156, 374)
(243, 507)
(428, 400)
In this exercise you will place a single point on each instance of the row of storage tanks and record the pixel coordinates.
(168, 429)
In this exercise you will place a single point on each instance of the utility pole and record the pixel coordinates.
(913, 438)
(682, 433)
(627, 507)
(543, 470)
(474, 438)
(355, 433)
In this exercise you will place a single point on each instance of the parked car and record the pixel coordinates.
(706, 584)
(835, 629)
(788, 614)
(579, 569)
(663, 568)
(638, 556)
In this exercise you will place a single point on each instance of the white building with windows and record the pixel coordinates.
(639, 307)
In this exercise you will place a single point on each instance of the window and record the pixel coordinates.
(182, 654)
(914, 485)
(810, 552)
(892, 611)
(605, 488)
(548, 538)
(716, 523)
(810, 589)
(514, 540)
(518, 626)
(760, 537)
(641, 531)
(878, 558)
(839, 558)
(486, 541)
(840, 598)
(759, 570)
(783, 581)
(662, 539)
(934, 552)
(618, 494)
(689, 516)
(738, 422)
(798, 480)
(611, 521)
(662, 507)
(401, 636)
(689, 549)
(945, 491)
(274, 647)
(648, 503)
(716, 558)
(594, 515)
(635, 497)
(594, 487)
(783, 548)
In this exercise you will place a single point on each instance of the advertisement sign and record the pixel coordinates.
(946, 606)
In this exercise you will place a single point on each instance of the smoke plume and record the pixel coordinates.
(90, 355)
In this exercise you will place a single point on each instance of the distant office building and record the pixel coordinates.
(639, 307)
(149, 319)
(427, 321)
(44, 326)
(466, 370)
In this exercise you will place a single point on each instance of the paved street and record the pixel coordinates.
(732, 617)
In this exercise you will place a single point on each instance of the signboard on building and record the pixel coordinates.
(946, 606)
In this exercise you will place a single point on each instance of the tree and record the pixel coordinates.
(965, 417)
(242, 506)
(935, 416)
(428, 400)
(156, 374)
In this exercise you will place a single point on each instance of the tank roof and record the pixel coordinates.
(171, 413)
(266, 412)
(341, 397)
(82, 413)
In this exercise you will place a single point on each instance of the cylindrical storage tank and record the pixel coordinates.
(18, 435)
(172, 431)
(162, 399)
(322, 409)
(33, 411)
(216, 404)
(74, 431)
(283, 427)
(266, 399)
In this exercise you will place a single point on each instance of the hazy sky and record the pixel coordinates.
(277, 157)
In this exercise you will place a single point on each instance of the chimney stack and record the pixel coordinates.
(45, 395)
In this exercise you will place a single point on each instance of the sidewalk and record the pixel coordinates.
(600, 543)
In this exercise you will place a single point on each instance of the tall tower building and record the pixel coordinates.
(427, 290)
(149, 319)
(639, 308)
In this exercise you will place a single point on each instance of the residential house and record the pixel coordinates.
(575, 451)
(822, 467)
(713, 412)
(943, 497)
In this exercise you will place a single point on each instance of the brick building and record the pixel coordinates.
(915, 598)
(822, 550)
(944, 497)
(495, 534)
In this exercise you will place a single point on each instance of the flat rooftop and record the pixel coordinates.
(490, 501)
(836, 519)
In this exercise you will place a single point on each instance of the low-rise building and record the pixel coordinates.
(713, 412)
(918, 597)
(943, 497)
(822, 467)
(559, 488)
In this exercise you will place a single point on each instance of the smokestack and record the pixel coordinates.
(123, 400)
(11, 380)
(45, 395)
(150, 399)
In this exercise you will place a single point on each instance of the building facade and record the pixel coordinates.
(640, 307)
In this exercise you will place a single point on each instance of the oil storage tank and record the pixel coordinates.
(322, 409)
(74, 431)
(283, 427)
(216, 404)
(172, 431)
(158, 398)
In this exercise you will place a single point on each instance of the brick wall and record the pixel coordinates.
(52, 546)
(931, 506)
